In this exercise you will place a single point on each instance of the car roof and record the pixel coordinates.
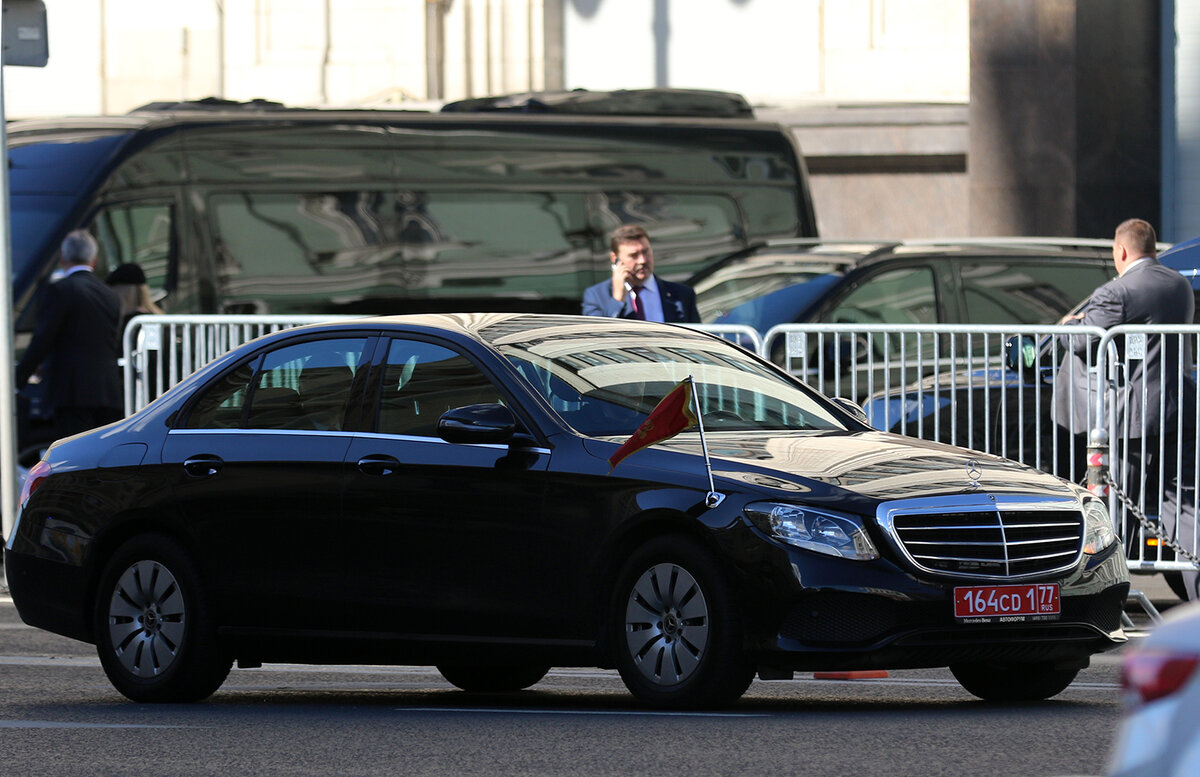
(864, 252)
(471, 325)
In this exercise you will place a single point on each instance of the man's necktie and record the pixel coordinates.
(639, 312)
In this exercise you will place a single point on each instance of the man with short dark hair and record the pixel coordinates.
(76, 343)
(1148, 404)
(634, 291)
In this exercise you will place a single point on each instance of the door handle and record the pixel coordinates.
(203, 466)
(378, 465)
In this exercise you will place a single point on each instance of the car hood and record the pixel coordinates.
(875, 465)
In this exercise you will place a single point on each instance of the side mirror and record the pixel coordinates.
(489, 423)
(853, 408)
(1020, 353)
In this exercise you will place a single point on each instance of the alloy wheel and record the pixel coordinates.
(147, 619)
(666, 624)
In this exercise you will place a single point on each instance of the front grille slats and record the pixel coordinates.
(994, 540)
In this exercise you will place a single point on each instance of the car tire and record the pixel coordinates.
(154, 630)
(992, 681)
(677, 629)
(492, 679)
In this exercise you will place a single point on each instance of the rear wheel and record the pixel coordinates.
(992, 681)
(678, 631)
(154, 631)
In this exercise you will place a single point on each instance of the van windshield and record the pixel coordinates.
(46, 178)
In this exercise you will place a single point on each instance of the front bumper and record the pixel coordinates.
(841, 614)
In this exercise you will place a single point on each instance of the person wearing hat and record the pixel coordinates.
(129, 282)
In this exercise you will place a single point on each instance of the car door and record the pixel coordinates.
(257, 468)
(440, 538)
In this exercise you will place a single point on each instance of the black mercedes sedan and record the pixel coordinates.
(438, 490)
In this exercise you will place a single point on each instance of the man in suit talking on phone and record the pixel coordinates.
(633, 291)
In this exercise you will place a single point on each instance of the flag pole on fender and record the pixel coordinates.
(712, 499)
(677, 411)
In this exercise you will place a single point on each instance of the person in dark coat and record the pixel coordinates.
(634, 291)
(76, 343)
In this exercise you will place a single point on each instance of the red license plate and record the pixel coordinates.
(1007, 603)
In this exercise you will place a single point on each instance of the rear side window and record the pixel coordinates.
(306, 386)
(1028, 292)
(901, 296)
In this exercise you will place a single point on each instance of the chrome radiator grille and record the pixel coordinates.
(994, 540)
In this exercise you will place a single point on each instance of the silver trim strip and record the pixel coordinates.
(364, 435)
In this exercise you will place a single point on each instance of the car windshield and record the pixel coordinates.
(604, 377)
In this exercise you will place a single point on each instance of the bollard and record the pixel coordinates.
(1097, 462)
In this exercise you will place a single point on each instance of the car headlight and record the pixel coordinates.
(816, 530)
(1098, 531)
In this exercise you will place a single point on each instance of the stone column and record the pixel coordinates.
(1064, 116)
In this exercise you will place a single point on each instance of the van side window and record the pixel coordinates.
(395, 252)
(690, 228)
(139, 233)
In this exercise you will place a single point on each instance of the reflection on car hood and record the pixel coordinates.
(876, 465)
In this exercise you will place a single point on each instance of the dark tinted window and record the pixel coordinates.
(370, 251)
(392, 252)
(421, 381)
(902, 296)
(302, 386)
(1028, 292)
(138, 233)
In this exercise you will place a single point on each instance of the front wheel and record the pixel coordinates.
(154, 632)
(993, 681)
(678, 632)
(492, 679)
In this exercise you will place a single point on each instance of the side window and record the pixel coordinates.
(304, 386)
(222, 403)
(138, 233)
(421, 381)
(903, 296)
(688, 228)
(363, 251)
(1037, 292)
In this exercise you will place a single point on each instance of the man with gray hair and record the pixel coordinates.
(76, 343)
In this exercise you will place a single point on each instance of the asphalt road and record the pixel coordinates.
(59, 716)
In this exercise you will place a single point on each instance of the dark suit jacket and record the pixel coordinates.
(76, 342)
(1148, 293)
(678, 302)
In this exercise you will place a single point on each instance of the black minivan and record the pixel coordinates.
(258, 208)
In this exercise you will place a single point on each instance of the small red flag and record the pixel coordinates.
(668, 418)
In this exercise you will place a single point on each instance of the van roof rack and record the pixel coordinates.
(622, 102)
(212, 104)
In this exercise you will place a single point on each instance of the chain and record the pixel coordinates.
(1154, 528)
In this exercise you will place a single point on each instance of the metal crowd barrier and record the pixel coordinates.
(1153, 465)
(161, 350)
(989, 388)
